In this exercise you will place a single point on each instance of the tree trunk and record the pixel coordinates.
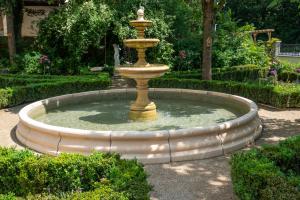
(11, 37)
(208, 21)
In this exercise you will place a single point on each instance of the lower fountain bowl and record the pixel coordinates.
(148, 146)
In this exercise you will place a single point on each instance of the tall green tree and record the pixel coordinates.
(6, 7)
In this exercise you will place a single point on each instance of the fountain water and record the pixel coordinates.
(143, 109)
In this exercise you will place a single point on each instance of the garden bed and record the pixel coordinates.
(236, 73)
(272, 172)
(281, 95)
(70, 176)
(15, 90)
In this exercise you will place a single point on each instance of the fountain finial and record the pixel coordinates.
(141, 13)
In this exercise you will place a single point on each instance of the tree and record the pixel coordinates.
(281, 15)
(6, 6)
(209, 9)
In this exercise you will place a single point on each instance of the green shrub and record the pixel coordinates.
(76, 176)
(235, 73)
(105, 193)
(264, 174)
(31, 63)
(233, 45)
(19, 90)
(281, 96)
(9, 196)
(288, 76)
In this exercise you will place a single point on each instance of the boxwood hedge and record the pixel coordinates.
(16, 90)
(288, 76)
(236, 73)
(269, 173)
(70, 176)
(281, 95)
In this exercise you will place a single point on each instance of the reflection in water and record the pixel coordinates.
(113, 115)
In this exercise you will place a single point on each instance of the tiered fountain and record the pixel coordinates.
(190, 124)
(143, 109)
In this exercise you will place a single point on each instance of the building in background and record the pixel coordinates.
(33, 12)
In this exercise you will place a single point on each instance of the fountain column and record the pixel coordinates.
(142, 109)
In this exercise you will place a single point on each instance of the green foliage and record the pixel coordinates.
(288, 76)
(102, 193)
(266, 173)
(74, 176)
(279, 16)
(20, 89)
(235, 73)
(281, 95)
(79, 27)
(72, 29)
(233, 45)
(7, 5)
(287, 72)
(29, 62)
(9, 196)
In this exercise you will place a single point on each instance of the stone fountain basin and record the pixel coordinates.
(141, 23)
(141, 43)
(149, 72)
(162, 146)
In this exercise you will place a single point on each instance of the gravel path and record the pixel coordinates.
(207, 179)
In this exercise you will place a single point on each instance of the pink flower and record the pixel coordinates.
(44, 60)
(182, 54)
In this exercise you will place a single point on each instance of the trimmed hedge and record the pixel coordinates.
(288, 76)
(237, 73)
(281, 96)
(270, 173)
(32, 89)
(71, 176)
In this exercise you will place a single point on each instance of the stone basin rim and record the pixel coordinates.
(149, 147)
(253, 110)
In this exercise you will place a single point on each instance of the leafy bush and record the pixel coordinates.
(268, 173)
(287, 76)
(9, 196)
(77, 29)
(281, 95)
(98, 175)
(287, 72)
(72, 29)
(233, 45)
(20, 89)
(29, 62)
(102, 193)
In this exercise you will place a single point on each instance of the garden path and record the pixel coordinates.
(207, 179)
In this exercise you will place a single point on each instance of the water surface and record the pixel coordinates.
(113, 115)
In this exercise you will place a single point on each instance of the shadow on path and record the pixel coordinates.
(193, 180)
(14, 137)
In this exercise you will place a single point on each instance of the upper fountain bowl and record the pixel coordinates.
(141, 43)
(140, 23)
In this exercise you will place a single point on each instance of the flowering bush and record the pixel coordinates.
(272, 72)
(187, 60)
(45, 62)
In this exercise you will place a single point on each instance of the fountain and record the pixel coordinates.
(186, 125)
(143, 109)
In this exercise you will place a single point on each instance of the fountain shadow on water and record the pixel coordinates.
(116, 112)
